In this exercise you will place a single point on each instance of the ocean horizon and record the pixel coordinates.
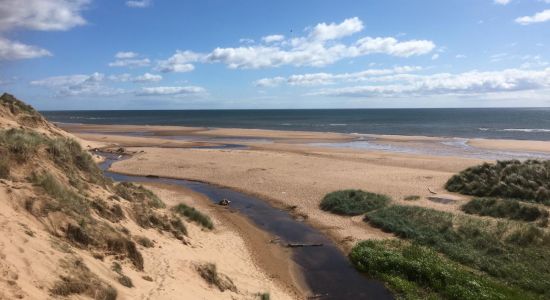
(491, 123)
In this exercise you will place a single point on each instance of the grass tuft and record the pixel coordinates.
(528, 180)
(353, 202)
(210, 273)
(194, 215)
(411, 198)
(505, 208)
(138, 193)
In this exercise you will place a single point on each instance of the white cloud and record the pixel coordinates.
(148, 77)
(320, 47)
(11, 50)
(460, 56)
(312, 79)
(129, 59)
(273, 38)
(333, 31)
(539, 17)
(269, 82)
(435, 56)
(468, 83)
(502, 2)
(125, 55)
(78, 85)
(139, 3)
(36, 15)
(179, 62)
(171, 91)
(41, 15)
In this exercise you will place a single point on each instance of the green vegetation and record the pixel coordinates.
(416, 272)
(137, 193)
(264, 296)
(210, 273)
(411, 198)
(16, 106)
(511, 252)
(68, 154)
(65, 199)
(528, 180)
(125, 281)
(505, 208)
(353, 202)
(194, 215)
(20, 145)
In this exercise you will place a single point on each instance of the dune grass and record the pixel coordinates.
(353, 202)
(65, 199)
(194, 215)
(138, 193)
(210, 274)
(511, 252)
(416, 272)
(506, 208)
(528, 180)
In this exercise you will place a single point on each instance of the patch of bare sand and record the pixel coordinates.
(514, 145)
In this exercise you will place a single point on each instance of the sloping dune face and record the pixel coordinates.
(67, 231)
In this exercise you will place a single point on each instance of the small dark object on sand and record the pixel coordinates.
(224, 202)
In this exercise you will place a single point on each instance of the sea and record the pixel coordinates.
(491, 123)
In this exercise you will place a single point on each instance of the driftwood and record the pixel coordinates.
(431, 192)
(294, 245)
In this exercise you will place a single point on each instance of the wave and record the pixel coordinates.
(526, 129)
(338, 124)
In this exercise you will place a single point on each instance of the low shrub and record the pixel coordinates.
(353, 202)
(210, 274)
(510, 252)
(504, 208)
(528, 180)
(416, 272)
(194, 215)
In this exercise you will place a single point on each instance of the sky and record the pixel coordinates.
(214, 54)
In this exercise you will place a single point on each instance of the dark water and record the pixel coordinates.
(326, 270)
(508, 123)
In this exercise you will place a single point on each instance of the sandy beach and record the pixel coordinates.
(288, 171)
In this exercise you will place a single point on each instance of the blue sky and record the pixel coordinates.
(117, 54)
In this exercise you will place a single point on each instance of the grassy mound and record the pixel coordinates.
(353, 202)
(528, 180)
(416, 272)
(505, 208)
(194, 215)
(511, 252)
